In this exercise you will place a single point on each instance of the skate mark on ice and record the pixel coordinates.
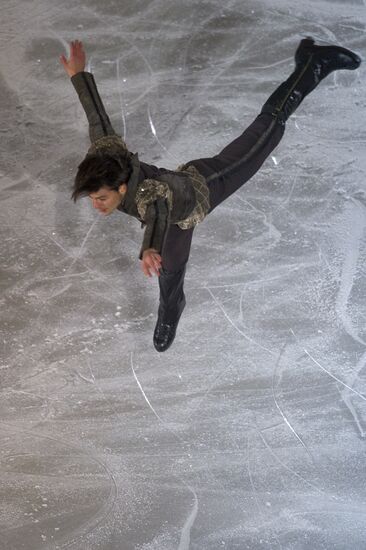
(186, 530)
(92, 523)
(286, 420)
(143, 94)
(288, 468)
(59, 292)
(358, 29)
(323, 259)
(143, 393)
(168, 78)
(347, 398)
(50, 237)
(165, 424)
(120, 86)
(91, 271)
(199, 30)
(88, 380)
(62, 41)
(151, 85)
(327, 371)
(208, 83)
(234, 325)
(284, 61)
(68, 276)
(251, 479)
(41, 397)
(256, 282)
(288, 198)
(92, 380)
(153, 131)
(68, 255)
(207, 392)
(254, 491)
(349, 268)
(116, 62)
(272, 229)
(185, 537)
(299, 224)
(78, 254)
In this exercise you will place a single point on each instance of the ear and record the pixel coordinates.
(122, 189)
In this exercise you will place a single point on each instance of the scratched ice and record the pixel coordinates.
(249, 433)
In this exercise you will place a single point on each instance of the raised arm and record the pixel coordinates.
(84, 84)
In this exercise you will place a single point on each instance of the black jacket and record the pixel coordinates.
(155, 196)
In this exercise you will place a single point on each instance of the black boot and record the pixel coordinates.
(172, 302)
(313, 63)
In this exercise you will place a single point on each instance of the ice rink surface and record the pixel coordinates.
(249, 433)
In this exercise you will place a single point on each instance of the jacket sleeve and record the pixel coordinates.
(99, 123)
(157, 223)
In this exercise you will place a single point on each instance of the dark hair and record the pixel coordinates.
(101, 169)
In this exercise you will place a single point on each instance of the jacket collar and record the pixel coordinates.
(128, 204)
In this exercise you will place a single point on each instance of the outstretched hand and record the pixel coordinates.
(151, 262)
(76, 62)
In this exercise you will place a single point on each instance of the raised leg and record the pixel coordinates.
(237, 163)
(226, 172)
(312, 64)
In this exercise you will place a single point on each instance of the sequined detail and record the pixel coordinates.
(149, 191)
(202, 197)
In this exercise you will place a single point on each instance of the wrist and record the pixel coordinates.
(149, 251)
(73, 73)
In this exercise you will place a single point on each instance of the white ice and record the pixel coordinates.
(249, 433)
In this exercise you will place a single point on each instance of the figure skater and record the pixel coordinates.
(171, 203)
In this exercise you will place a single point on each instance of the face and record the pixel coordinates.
(105, 200)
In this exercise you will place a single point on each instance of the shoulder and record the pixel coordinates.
(152, 188)
(149, 191)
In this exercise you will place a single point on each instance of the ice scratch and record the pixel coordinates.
(121, 100)
(233, 324)
(273, 232)
(143, 393)
(357, 225)
(255, 493)
(345, 395)
(287, 422)
(185, 537)
(251, 479)
(82, 246)
(153, 130)
(288, 468)
(349, 270)
(209, 389)
(329, 373)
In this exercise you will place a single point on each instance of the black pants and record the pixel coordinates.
(224, 173)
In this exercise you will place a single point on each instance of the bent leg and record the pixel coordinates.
(241, 159)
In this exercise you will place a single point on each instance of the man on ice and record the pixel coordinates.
(171, 203)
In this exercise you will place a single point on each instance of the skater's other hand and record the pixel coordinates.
(151, 262)
(76, 62)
